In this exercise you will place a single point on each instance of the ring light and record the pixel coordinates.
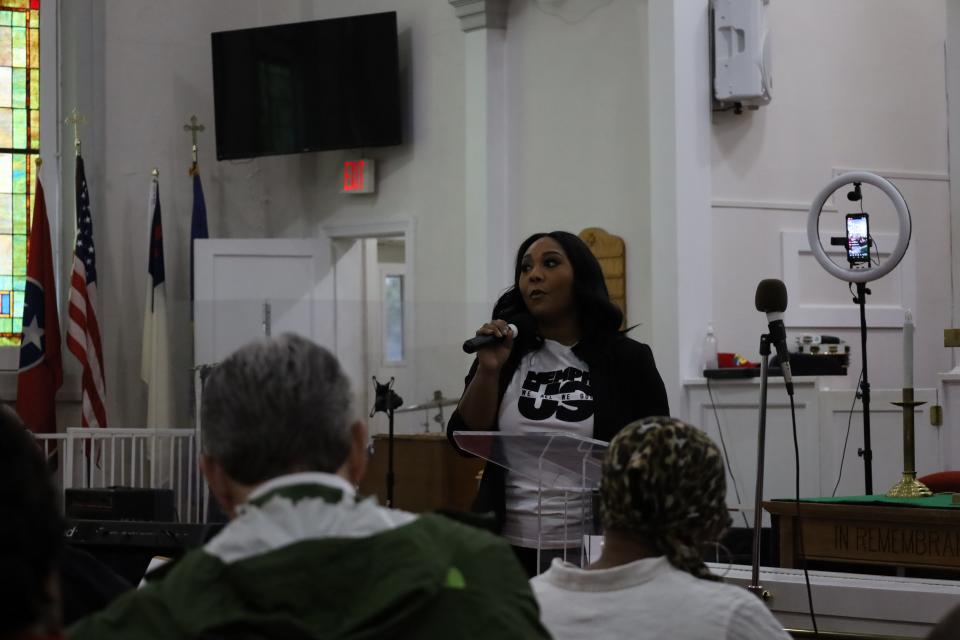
(903, 239)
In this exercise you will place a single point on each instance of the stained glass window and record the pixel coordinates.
(19, 144)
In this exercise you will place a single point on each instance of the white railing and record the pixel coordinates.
(53, 446)
(140, 458)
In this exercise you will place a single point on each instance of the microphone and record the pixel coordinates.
(771, 299)
(479, 342)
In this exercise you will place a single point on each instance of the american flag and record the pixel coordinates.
(83, 332)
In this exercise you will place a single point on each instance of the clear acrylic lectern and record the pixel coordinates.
(556, 462)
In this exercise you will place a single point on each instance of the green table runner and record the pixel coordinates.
(939, 501)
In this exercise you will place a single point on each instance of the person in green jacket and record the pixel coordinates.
(303, 556)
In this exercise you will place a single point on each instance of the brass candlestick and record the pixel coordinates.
(909, 486)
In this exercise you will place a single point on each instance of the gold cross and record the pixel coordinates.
(76, 120)
(194, 128)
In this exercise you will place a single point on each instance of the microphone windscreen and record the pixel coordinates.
(771, 296)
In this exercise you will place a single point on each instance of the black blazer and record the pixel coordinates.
(626, 386)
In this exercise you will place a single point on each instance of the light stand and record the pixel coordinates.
(861, 276)
(387, 400)
(866, 452)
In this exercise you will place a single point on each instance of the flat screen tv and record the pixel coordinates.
(309, 86)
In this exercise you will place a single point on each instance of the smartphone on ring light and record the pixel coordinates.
(858, 240)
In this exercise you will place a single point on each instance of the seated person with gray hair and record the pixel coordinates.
(662, 496)
(303, 556)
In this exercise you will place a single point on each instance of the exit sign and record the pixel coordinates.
(359, 176)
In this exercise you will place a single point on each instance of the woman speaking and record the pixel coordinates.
(570, 369)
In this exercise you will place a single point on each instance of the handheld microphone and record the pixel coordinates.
(771, 299)
(479, 342)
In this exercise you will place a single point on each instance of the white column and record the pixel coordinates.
(680, 188)
(953, 135)
(489, 237)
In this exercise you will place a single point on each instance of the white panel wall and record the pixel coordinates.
(577, 109)
(821, 304)
(729, 411)
(859, 85)
(837, 411)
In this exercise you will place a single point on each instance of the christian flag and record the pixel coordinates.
(41, 367)
(155, 363)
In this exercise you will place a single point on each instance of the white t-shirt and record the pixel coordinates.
(651, 599)
(550, 391)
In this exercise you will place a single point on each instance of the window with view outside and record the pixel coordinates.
(19, 146)
(393, 318)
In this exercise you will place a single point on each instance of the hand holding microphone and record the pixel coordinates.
(492, 344)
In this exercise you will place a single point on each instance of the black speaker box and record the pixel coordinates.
(121, 503)
(736, 547)
(127, 546)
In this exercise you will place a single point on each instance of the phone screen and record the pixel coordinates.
(858, 238)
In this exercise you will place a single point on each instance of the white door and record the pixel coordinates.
(351, 313)
(249, 288)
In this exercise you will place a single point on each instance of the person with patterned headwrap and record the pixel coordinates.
(662, 496)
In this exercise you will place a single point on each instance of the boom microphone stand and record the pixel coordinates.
(387, 400)
(771, 298)
(754, 585)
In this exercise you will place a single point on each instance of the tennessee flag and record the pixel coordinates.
(41, 367)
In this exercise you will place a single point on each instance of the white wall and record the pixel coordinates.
(139, 69)
(680, 186)
(578, 129)
(577, 156)
(858, 84)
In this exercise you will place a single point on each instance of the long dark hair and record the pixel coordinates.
(31, 529)
(599, 317)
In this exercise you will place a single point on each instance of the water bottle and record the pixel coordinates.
(710, 349)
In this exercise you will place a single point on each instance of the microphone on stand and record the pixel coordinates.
(771, 298)
(479, 342)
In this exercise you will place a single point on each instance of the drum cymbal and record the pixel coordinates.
(434, 403)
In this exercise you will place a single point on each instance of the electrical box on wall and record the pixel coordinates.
(741, 53)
